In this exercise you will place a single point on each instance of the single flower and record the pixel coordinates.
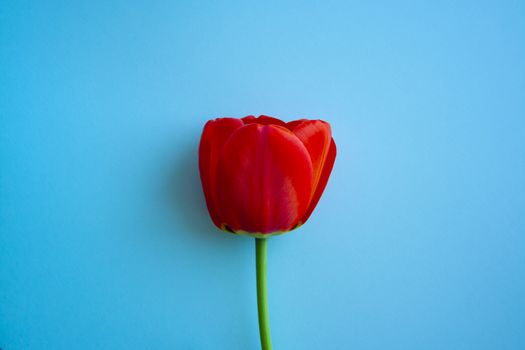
(262, 176)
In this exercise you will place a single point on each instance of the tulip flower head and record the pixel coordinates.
(262, 176)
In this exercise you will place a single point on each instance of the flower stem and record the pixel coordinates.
(261, 247)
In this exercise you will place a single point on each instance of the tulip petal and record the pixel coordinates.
(248, 119)
(214, 136)
(264, 180)
(316, 135)
(263, 120)
(325, 174)
(291, 125)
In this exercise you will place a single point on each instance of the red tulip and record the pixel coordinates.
(262, 176)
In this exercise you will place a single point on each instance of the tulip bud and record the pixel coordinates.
(262, 176)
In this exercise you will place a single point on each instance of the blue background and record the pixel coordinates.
(418, 242)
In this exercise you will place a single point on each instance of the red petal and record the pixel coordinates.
(291, 125)
(248, 119)
(215, 134)
(263, 120)
(325, 174)
(316, 135)
(264, 179)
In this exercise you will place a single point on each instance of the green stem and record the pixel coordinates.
(261, 247)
